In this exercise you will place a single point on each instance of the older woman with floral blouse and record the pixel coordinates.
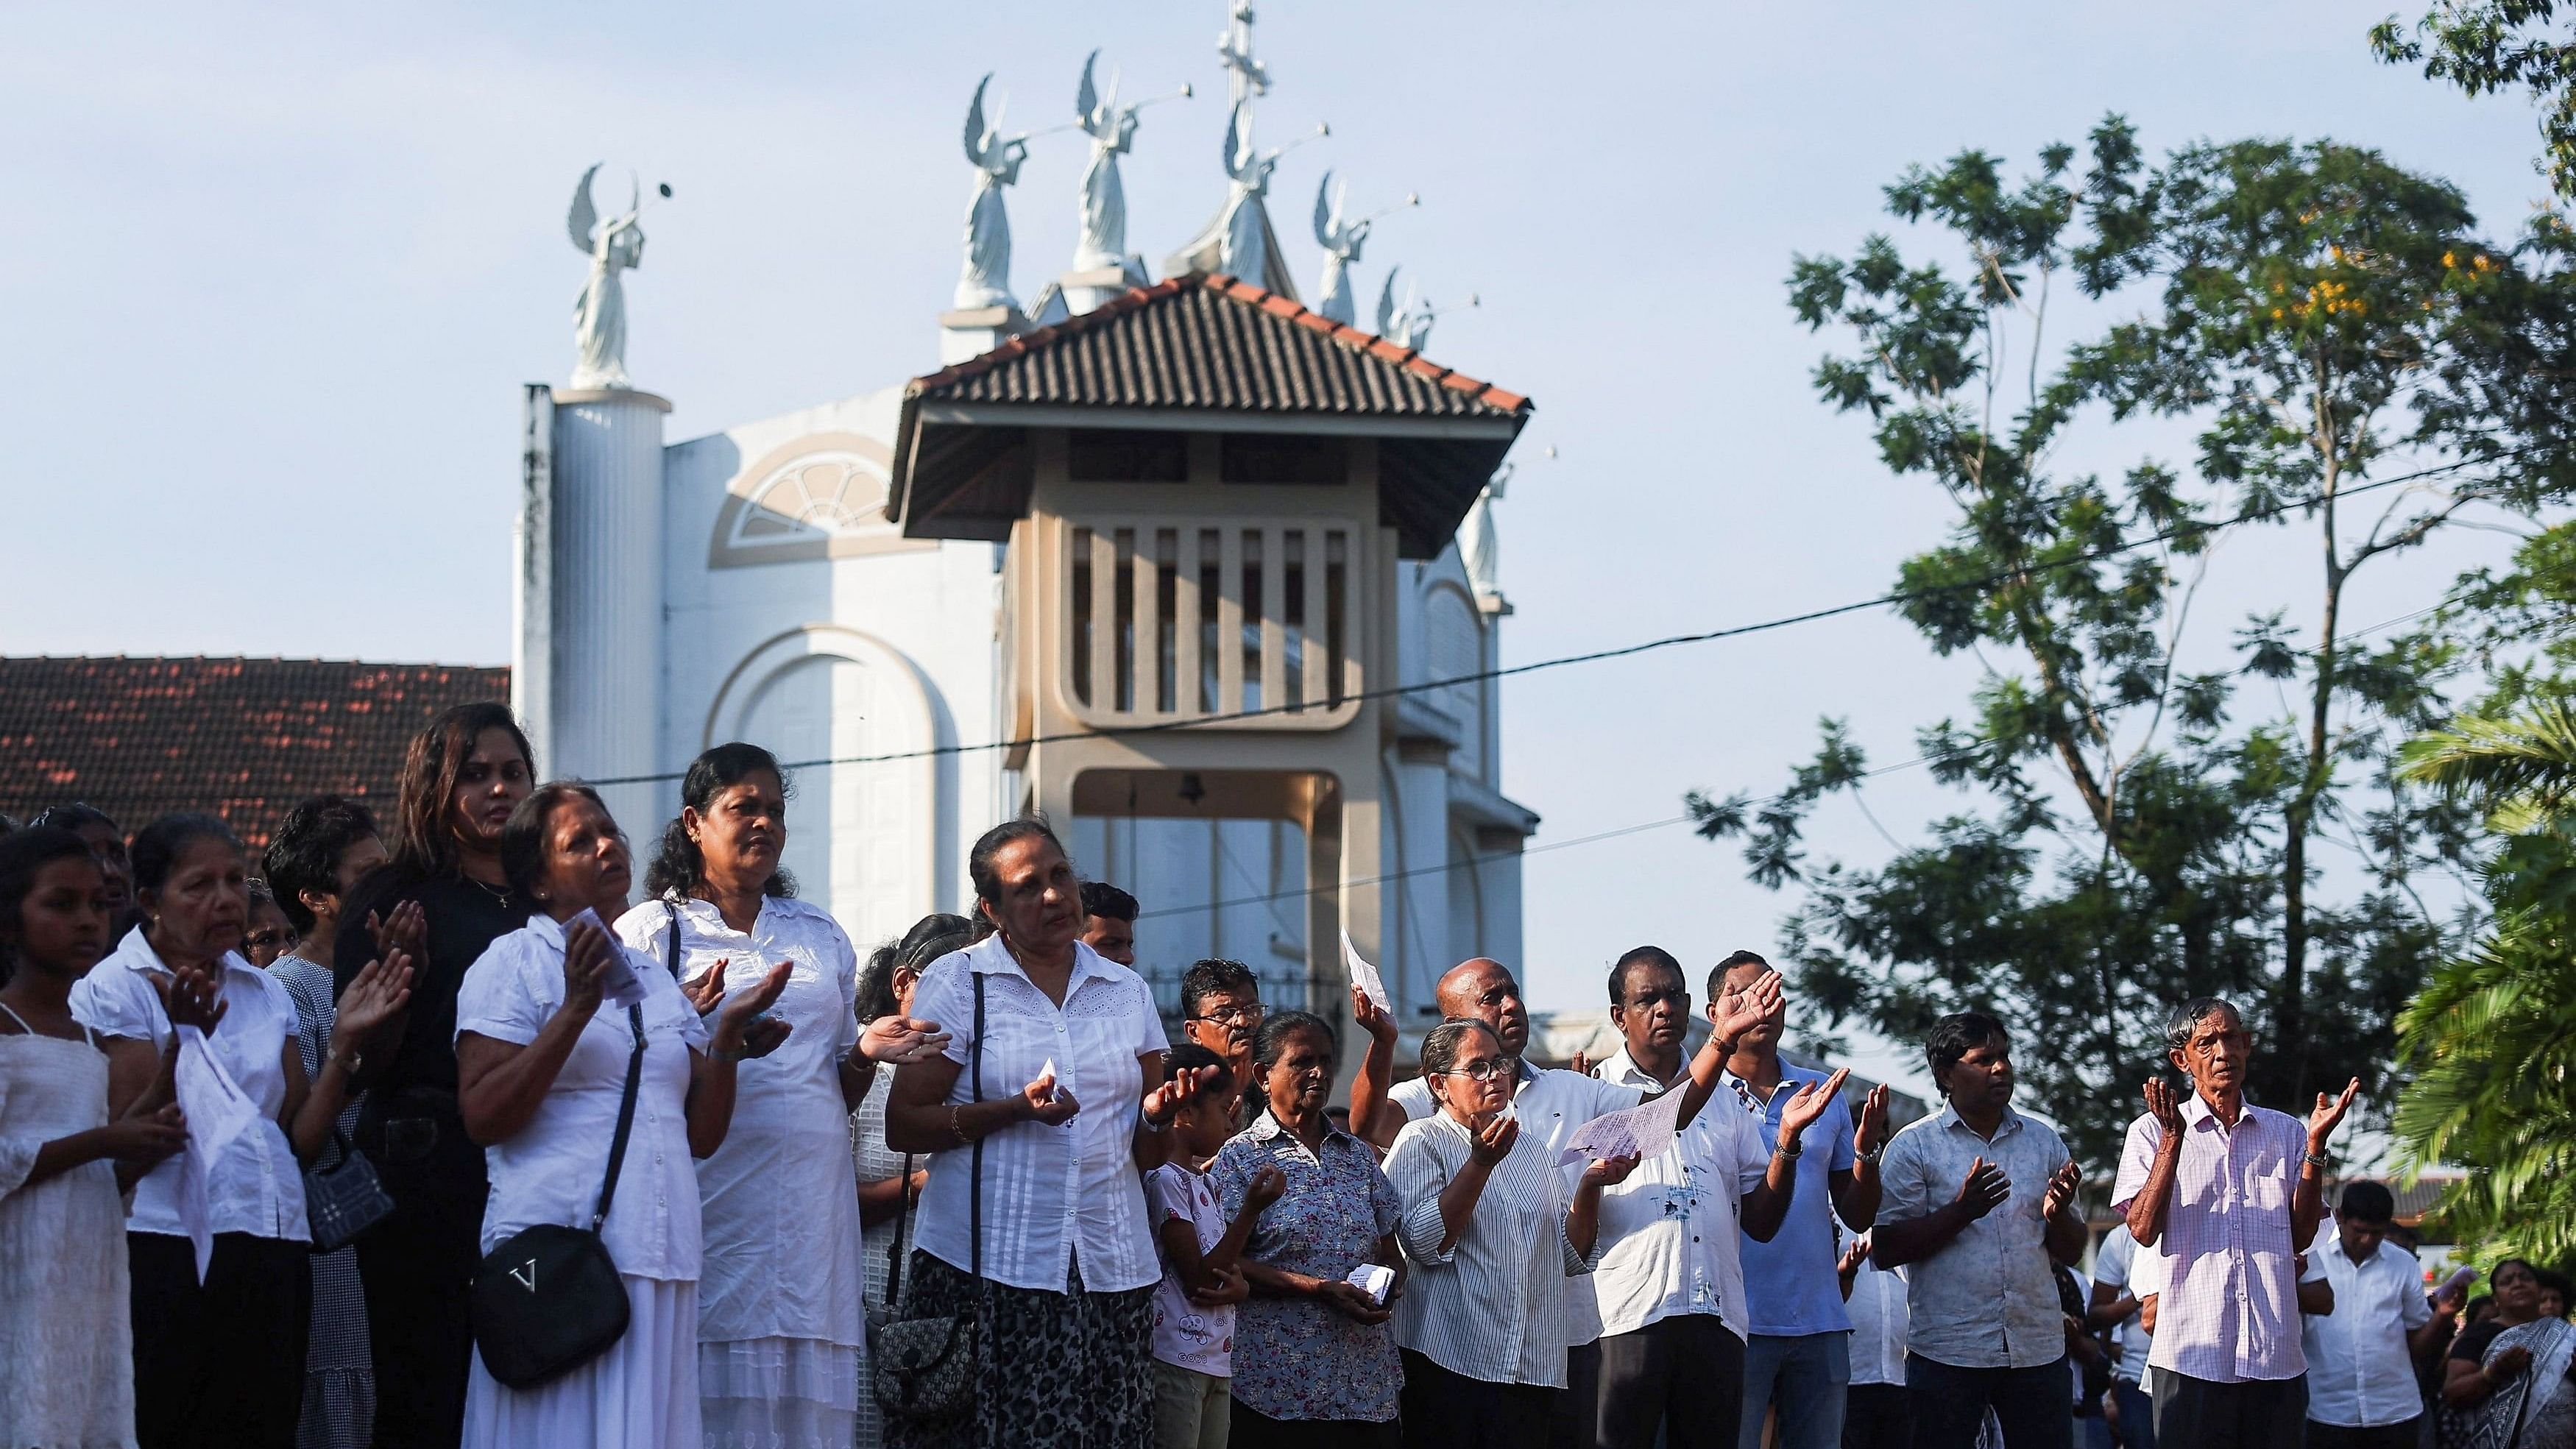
(1314, 1360)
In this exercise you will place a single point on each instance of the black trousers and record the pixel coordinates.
(2254, 1414)
(2035, 1406)
(1680, 1377)
(2374, 1436)
(1877, 1416)
(1572, 1423)
(1444, 1410)
(1247, 1430)
(417, 1268)
(219, 1364)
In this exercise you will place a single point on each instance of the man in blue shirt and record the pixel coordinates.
(1798, 1355)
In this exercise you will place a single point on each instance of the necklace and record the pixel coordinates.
(499, 894)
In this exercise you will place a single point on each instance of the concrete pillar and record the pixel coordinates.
(1419, 934)
(532, 623)
(606, 708)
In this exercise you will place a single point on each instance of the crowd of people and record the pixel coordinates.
(280, 1140)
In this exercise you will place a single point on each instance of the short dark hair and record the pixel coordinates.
(2187, 1018)
(1190, 1056)
(2365, 1201)
(1100, 898)
(933, 936)
(1211, 976)
(1640, 956)
(2551, 1278)
(677, 864)
(305, 853)
(158, 846)
(1956, 1035)
(1717, 973)
(74, 815)
(23, 856)
(523, 837)
(987, 876)
(1272, 1038)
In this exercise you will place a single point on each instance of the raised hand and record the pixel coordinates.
(739, 1019)
(1043, 1101)
(1177, 1091)
(899, 1039)
(193, 997)
(1265, 1188)
(587, 952)
(1746, 1009)
(1870, 1133)
(404, 929)
(707, 992)
(1366, 1016)
(2164, 1106)
(2061, 1190)
(1581, 1066)
(1985, 1190)
(376, 995)
(2509, 1364)
(1610, 1171)
(2328, 1115)
(1855, 1253)
(1807, 1104)
(146, 1139)
(1494, 1142)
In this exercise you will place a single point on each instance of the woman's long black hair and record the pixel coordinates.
(678, 866)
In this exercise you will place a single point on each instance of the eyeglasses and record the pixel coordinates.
(1235, 1015)
(1482, 1071)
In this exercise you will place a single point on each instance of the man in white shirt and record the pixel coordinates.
(1670, 1278)
(1551, 1104)
(2361, 1356)
(2116, 1296)
(1875, 1413)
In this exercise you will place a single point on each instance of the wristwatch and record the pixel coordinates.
(1873, 1155)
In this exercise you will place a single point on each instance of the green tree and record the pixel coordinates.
(2142, 834)
(2487, 46)
(2491, 1041)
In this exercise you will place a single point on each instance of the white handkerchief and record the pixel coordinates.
(1365, 977)
(1373, 1279)
(619, 983)
(218, 1111)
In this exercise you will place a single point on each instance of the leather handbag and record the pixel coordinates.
(924, 1366)
(343, 1200)
(548, 1299)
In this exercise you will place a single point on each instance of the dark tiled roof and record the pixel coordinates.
(1217, 343)
(243, 738)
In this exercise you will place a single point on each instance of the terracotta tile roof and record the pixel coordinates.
(1215, 342)
(243, 738)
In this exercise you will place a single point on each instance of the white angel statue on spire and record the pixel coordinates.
(1409, 323)
(1112, 129)
(1243, 249)
(599, 314)
(1341, 241)
(986, 278)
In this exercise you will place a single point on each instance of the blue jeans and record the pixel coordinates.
(2137, 1415)
(2035, 1406)
(1804, 1377)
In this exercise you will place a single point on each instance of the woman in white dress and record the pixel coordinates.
(541, 1070)
(782, 1332)
(66, 1347)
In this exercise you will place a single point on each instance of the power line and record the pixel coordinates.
(1623, 651)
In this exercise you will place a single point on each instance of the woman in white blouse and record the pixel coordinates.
(1492, 1228)
(541, 1070)
(782, 1331)
(216, 1239)
(1044, 1148)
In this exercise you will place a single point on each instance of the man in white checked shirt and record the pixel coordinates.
(2229, 1193)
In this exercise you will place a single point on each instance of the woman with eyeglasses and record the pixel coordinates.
(1314, 1360)
(1493, 1231)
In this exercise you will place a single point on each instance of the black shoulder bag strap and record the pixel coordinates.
(671, 954)
(975, 1198)
(625, 1117)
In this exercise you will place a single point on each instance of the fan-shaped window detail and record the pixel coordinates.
(822, 496)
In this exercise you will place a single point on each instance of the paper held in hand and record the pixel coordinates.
(218, 1111)
(1365, 977)
(618, 985)
(1373, 1279)
(1641, 1131)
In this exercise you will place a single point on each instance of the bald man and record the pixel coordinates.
(1553, 1103)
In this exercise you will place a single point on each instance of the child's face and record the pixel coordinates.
(1204, 1125)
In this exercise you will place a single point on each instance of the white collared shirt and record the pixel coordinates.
(1670, 1233)
(1877, 1308)
(1493, 1305)
(550, 1170)
(2113, 1268)
(255, 1186)
(2230, 1309)
(2360, 1372)
(1553, 1104)
(1053, 1196)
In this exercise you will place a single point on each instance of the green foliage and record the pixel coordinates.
(2143, 831)
(2485, 46)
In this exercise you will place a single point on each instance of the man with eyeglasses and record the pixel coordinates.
(1220, 1010)
(1551, 1104)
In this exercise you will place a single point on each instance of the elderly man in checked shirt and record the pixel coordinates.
(2231, 1194)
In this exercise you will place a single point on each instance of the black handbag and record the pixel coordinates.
(548, 1299)
(923, 1368)
(343, 1200)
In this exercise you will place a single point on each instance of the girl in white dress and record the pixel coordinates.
(66, 1344)
(782, 1331)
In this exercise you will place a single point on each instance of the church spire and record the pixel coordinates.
(1240, 240)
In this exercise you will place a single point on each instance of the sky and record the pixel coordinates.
(272, 277)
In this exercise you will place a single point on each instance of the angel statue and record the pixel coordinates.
(1112, 129)
(1479, 549)
(599, 315)
(986, 279)
(1410, 323)
(1244, 246)
(1341, 241)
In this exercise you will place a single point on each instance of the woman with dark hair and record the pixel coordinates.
(325, 846)
(542, 1076)
(1314, 1361)
(442, 898)
(66, 1344)
(106, 844)
(782, 1331)
(887, 1177)
(219, 1330)
(1034, 1219)
(266, 933)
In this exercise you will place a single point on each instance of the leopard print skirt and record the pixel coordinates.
(1070, 1370)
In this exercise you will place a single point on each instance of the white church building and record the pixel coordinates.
(1170, 562)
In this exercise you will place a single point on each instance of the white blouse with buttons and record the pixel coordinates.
(550, 1170)
(1053, 1196)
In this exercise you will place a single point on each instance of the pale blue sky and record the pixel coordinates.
(272, 275)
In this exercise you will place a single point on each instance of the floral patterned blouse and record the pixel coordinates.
(1299, 1358)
